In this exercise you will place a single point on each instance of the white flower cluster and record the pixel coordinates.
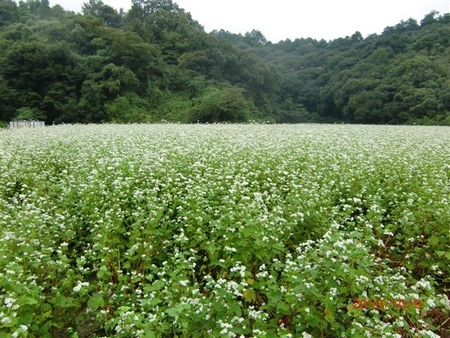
(80, 285)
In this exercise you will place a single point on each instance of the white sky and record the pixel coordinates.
(282, 19)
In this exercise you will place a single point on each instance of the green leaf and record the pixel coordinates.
(249, 295)
(149, 334)
(283, 307)
(329, 315)
(155, 301)
(356, 234)
(28, 300)
(434, 240)
(64, 302)
(176, 310)
(440, 253)
(235, 307)
(350, 307)
(27, 318)
(173, 312)
(96, 302)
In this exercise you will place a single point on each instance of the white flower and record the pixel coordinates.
(9, 302)
(5, 320)
(429, 334)
(79, 286)
(431, 303)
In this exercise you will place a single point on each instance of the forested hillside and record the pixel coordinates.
(155, 62)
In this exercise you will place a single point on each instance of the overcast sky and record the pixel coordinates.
(282, 19)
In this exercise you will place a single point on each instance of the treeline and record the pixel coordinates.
(400, 76)
(155, 62)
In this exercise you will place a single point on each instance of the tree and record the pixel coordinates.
(7, 98)
(366, 106)
(152, 6)
(100, 89)
(255, 38)
(33, 69)
(221, 104)
(429, 19)
(39, 9)
(107, 13)
(8, 12)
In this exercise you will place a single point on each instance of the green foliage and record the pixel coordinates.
(356, 79)
(8, 12)
(108, 14)
(55, 62)
(221, 104)
(222, 230)
(293, 113)
(26, 113)
(129, 109)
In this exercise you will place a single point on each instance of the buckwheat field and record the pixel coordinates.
(224, 231)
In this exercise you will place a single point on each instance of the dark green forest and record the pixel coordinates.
(156, 63)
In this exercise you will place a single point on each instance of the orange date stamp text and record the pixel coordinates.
(383, 304)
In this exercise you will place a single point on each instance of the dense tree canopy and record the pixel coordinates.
(155, 62)
(400, 76)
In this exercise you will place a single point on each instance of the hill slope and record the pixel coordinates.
(155, 62)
